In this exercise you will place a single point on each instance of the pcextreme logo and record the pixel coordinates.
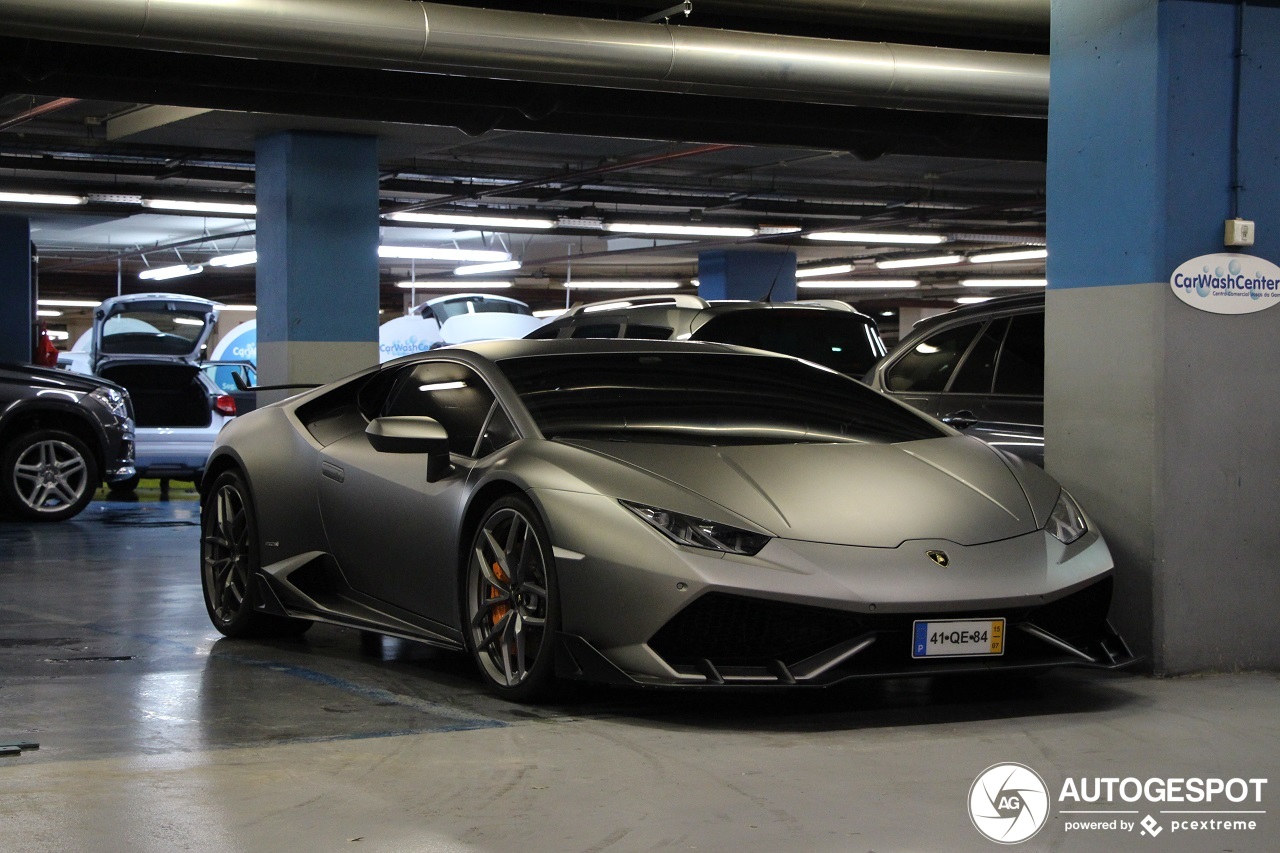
(1009, 803)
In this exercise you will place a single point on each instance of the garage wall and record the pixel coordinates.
(1163, 419)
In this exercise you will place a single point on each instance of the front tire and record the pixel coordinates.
(47, 475)
(510, 604)
(229, 563)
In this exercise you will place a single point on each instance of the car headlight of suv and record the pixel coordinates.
(112, 400)
(700, 532)
(1066, 522)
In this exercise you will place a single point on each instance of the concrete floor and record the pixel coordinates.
(156, 736)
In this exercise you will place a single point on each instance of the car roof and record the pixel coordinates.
(982, 309)
(503, 349)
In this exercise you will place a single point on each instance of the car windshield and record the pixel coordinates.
(445, 309)
(704, 398)
(152, 332)
(843, 341)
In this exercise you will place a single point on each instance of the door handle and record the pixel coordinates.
(962, 419)
(333, 472)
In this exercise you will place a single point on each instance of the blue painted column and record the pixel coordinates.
(1165, 420)
(15, 290)
(742, 274)
(317, 241)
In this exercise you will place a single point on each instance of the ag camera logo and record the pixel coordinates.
(1008, 803)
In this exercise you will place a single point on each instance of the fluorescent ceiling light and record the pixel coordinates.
(453, 285)
(1004, 282)
(1001, 257)
(548, 313)
(771, 230)
(187, 321)
(201, 206)
(69, 303)
(40, 198)
(424, 253)
(55, 335)
(481, 269)
(973, 300)
(240, 259)
(455, 385)
(869, 238)
(164, 273)
(679, 230)
(47, 312)
(621, 286)
(835, 269)
(473, 220)
(862, 284)
(907, 263)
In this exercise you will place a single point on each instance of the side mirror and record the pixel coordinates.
(411, 434)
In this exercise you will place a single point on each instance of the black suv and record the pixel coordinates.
(61, 435)
(827, 332)
(979, 368)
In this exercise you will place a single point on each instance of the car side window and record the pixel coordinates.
(544, 333)
(1021, 367)
(645, 332)
(598, 330)
(498, 432)
(978, 370)
(452, 393)
(927, 366)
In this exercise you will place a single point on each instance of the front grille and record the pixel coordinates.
(734, 630)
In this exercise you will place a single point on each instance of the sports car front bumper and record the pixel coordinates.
(639, 609)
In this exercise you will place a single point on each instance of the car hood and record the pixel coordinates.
(874, 495)
(54, 378)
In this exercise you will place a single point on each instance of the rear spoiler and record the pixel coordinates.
(238, 378)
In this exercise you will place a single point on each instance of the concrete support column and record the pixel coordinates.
(16, 341)
(317, 272)
(743, 274)
(1165, 420)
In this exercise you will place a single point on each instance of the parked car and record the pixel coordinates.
(151, 344)
(978, 368)
(61, 436)
(647, 513)
(457, 318)
(826, 332)
(235, 378)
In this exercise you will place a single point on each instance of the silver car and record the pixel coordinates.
(151, 344)
(647, 513)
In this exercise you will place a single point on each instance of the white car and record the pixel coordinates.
(151, 343)
(458, 318)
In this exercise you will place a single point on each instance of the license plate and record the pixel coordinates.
(950, 638)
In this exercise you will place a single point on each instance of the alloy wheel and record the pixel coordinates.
(508, 601)
(226, 554)
(50, 475)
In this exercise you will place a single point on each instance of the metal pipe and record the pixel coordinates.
(1025, 19)
(524, 46)
(35, 112)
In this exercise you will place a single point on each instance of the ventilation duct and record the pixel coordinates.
(430, 37)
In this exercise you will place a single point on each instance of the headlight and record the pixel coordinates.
(1066, 522)
(112, 400)
(699, 532)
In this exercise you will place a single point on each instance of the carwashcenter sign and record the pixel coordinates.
(1227, 283)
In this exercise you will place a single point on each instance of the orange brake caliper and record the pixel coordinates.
(499, 610)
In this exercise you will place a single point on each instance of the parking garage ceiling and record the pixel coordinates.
(171, 110)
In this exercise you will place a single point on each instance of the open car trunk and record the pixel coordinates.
(167, 394)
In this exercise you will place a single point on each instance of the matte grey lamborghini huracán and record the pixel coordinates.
(647, 513)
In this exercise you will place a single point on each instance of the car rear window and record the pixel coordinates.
(843, 341)
(705, 398)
